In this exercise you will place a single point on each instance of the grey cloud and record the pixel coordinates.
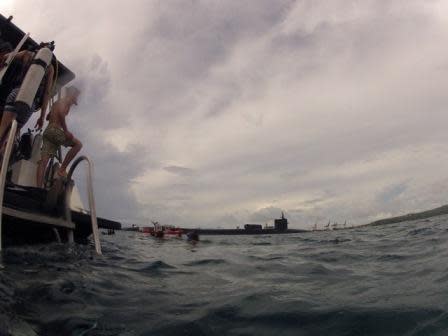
(392, 192)
(114, 173)
(326, 107)
(266, 215)
(312, 201)
(178, 170)
(95, 81)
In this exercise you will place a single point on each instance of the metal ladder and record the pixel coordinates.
(4, 169)
(68, 195)
(62, 222)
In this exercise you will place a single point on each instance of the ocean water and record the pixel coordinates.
(388, 280)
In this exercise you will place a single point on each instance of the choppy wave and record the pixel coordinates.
(384, 280)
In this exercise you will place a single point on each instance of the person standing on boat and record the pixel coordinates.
(56, 135)
(17, 71)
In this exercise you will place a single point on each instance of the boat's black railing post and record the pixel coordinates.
(69, 189)
(4, 170)
(68, 210)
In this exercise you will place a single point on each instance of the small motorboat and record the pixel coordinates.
(157, 231)
(161, 231)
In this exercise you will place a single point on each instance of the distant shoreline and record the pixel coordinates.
(442, 210)
(238, 232)
(439, 211)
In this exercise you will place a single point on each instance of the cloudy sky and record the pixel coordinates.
(219, 113)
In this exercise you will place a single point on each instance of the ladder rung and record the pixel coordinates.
(39, 218)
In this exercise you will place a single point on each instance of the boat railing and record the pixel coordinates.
(68, 194)
(4, 170)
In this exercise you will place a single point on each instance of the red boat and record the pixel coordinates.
(157, 234)
(159, 231)
(146, 229)
(173, 231)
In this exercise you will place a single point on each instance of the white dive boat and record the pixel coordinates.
(36, 215)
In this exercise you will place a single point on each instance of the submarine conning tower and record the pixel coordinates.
(281, 224)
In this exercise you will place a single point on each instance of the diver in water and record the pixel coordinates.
(193, 236)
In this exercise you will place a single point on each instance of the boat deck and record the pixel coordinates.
(38, 218)
(27, 220)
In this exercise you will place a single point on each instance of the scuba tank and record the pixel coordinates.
(32, 80)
